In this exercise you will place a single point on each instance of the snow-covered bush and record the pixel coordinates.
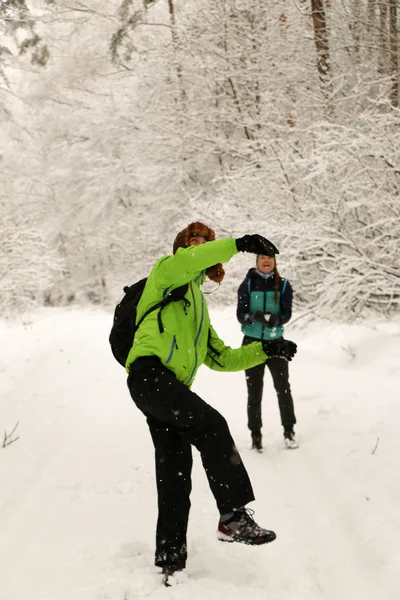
(28, 263)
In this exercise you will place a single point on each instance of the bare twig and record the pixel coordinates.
(7, 441)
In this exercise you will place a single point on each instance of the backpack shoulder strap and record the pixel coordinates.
(174, 296)
(150, 310)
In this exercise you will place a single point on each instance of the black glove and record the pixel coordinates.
(256, 244)
(273, 321)
(258, 317)
(280, 347)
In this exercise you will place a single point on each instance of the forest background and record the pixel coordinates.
(121, 123)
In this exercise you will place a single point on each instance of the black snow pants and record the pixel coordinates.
(179, 418)
(279, 369)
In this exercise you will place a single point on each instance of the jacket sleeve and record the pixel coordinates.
(243, 302)
(223, 358)
(182, 267)
(286, 303)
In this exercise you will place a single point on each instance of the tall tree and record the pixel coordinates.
(322, 45)
(394, 53)
(19, 32)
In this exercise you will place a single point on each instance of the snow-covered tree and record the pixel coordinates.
(29, 264)
(149, 115)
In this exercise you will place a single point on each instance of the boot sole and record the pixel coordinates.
(290, 446)
(222, 537)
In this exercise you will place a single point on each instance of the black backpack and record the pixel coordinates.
(124, 323)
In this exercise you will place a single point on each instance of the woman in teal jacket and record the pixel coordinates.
(264, 307)
(169, 347)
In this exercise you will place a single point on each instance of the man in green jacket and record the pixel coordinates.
(168, 349)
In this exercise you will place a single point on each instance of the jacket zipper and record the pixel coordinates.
(171, 352)
(197, 336)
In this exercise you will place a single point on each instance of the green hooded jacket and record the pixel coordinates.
(188, 339)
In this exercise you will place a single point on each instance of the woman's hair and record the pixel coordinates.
(277, 283)
(216, 272)
(195, 229)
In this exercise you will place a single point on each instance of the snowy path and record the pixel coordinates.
(332, 560)
(77, 491)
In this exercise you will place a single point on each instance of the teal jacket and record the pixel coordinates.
(188, 339)
(257, 293)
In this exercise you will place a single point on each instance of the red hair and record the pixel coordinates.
(216, 272)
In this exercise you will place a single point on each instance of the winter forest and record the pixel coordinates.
(122, 122)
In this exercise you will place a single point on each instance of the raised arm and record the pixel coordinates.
(183, 266)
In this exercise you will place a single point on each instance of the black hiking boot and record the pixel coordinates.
(256, 441)
(169, 574)
(290, 439)
(243, 528)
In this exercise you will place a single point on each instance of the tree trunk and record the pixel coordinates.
(394, 48)
(383, 50)
(371, 13)
(321, 44)
(356, 28)
(175, 41)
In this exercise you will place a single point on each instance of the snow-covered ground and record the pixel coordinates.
(77, 489)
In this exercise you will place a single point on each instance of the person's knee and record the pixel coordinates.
(217, 422)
